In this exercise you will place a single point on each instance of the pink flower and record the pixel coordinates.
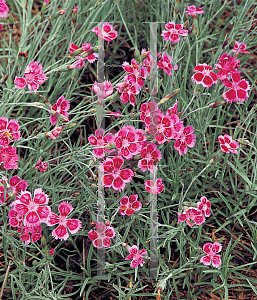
(9, 157)
(148, 110)
(1, 27)
(9, 130)
(154, 187)
(174, 31)
(102, 236)
(227, 66)
(204, 206)
(150, 155)
(15, 186)
(128, 205)
(3, 9)
(127, 141)
(61, 232)
(61, 106)
(114, 176)
(237, 88)
(31, 233)
(103, 89)
(34, 76)
(193, 11)
(227, 144)
(165, 63)
(177, 126)
(116, 114)
(54, 133)
(191, 213)
(77, 64)
(128, 90)
(136, 256)
(211, 249)
(100, 140)
(41, 166)
(136, 73)
(204, 75)
(148, 62)
(51, 252)
(35, 211)
(62, 12)
(86, 47)
(107, 33)
(185, 139)
(240, 47)
(15, 218)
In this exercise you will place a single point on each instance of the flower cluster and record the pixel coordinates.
(80, 62)
(196, 215)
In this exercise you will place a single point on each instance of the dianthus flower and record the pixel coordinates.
(41, 166)
(35, 211)
(240, 47)
(136, 73)
(237, 88)
(193, 11)
(54, 133)
(128, 90)
(154, 187)
(204, 75)
(227, 66)
(174, 31)
(191, 213)
(9, 157)
(204, 206)
(165, 63)
(127, 141)
(185, 139)
(9, 130)
(177, 127)
(102, 235)
(227, 144)
(34, 76)
(148, 62)
(100, 140)
(15, 218)
(86, 47)
(107, 33)
(61, 232)
(150, 155)
(128, 205)
(136, 256)
(148, 110)
(31, 233)
(114, 176)
(61, 106)
(211, 257)
(103, 89)
(3, 9)
(15, 186)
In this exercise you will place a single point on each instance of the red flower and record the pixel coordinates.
(15, 218)
(154, 187)
(237, 88)
(15, 186)
(150, 155)
(191, 213)
(41, 166)
(127, 141)
(35, 211)
(107, 33)
(227, 144)
(9, 130)
(148, 110)
(128, 205)
(3, 9)
(136, 256)
(33, 233)
(61, 232)
(103, 89)
(61, 106)
(101, 140)
(211, 249)
(102, 236)
(114, 176)
(165, 63)
(240, 47)
(185, 139)
(205, 76)
(204, 206)
(137, 73)
(174, 31)
(128, 90)
(193, 11)
(9, 157)
(227, 66)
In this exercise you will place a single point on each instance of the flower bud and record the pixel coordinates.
(4, 79)
(186, 24)
(137, 56)
(216, 104)
(169, 96)
(243, 141)
(177, 8)
(145, 55)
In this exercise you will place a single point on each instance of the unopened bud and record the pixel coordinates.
(137, 56)
(177, 8)
(186, 24)
(47, 103)
(145, 55)
(56, 15)
(110, 146)
(4, 78)
(68, 126)
(92, 161)
(169, 96)
(216, 104)
(243, 141)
